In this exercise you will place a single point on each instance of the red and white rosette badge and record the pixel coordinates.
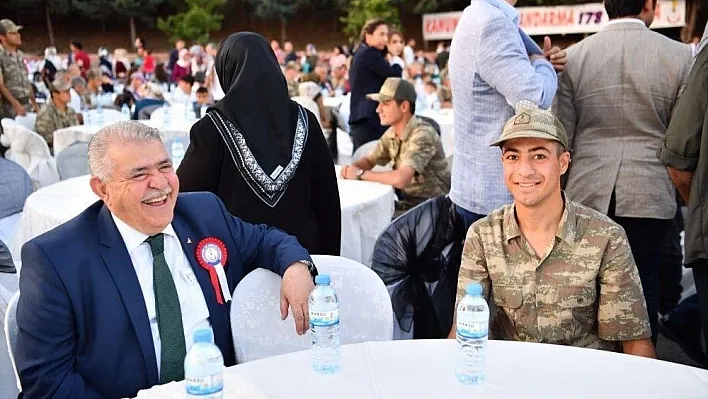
(212, 256)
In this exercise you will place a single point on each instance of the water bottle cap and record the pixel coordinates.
(203, 335)
(322, 279)
(474, 289)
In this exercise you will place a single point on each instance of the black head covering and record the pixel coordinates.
(264, 131)
(256, 100)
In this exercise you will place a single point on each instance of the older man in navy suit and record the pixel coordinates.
(109, 300)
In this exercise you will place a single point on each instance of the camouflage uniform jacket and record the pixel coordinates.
(420, 148)
(14, 75)
(585, 292)
(51, 119)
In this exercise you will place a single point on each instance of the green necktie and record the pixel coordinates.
(169, 316)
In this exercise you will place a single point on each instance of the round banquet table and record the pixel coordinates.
(366, 211)
(63, 138)
(426, 369)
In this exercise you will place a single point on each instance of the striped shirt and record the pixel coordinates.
(490, 73)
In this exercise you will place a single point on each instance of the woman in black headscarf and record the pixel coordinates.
(263, 154)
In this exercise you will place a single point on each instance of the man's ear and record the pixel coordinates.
(565, 162)
(99, 188)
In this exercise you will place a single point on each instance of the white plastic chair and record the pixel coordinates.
(364, 308)
(10, 327)
(27, 121)
(30, 150)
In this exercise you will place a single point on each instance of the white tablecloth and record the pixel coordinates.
(67, 136)
(426, 369)
(366, 210)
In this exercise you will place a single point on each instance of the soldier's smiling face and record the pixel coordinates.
(532, 169)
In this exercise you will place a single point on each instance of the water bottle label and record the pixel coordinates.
(208, 385)
(472, 330)
(324, 318)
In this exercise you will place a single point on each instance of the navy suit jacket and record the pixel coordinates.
(368, 73)
(84, 331)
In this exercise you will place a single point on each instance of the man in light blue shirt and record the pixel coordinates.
(493, 65)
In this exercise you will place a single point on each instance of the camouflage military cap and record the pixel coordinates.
(7, 26)
(59, 84)
(395, 89)
(532, 122)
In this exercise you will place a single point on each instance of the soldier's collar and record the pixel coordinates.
(412, 123)
(566, 227)
(511, 226)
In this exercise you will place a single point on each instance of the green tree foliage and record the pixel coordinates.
(95, 9)
(195, 24)
(49, 8)
(281, 10)
(140, 9)
(359, 11)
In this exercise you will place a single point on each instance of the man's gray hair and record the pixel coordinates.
(120, 132)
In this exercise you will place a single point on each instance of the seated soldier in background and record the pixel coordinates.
(558, 272)
(56, 114)
(420, 170)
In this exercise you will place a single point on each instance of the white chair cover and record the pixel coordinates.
(30, 150)
(73, 161)
(365, 149)
(10, 327)
(65, 137)
(8, 226)
(8, 378)
(364, 308)
(158, 114)
(309, 105)
(27, 121)
(345, 147)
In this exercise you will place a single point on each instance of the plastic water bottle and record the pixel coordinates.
(165, 115)
(88, 120)
(99, 115)
(177, 153)
(324, 327)
(204, 367)
(472, 333)
(188, 111)
(125, 111)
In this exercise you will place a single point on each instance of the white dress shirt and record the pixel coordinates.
(191, 299)
(630, 20)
